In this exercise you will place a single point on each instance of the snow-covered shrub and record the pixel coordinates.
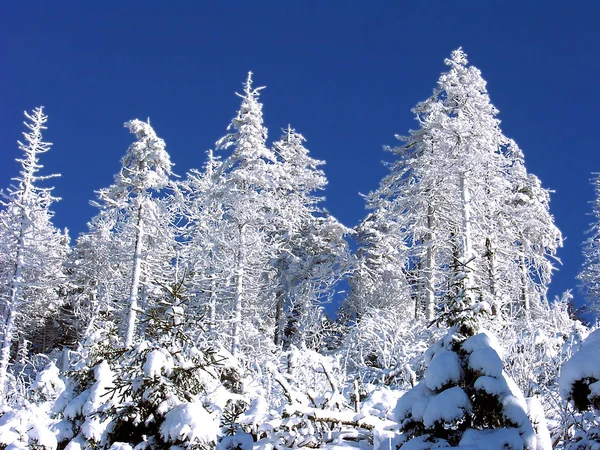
(536, 347)
(310, 406)
(465, 399)
(386, 347)
(164, 392)
(31, 424)
(580, 386)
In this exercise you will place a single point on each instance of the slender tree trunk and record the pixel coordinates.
(212, 305)
(135, 278)
(492, 270)
(524, 276)
(279, 317)
(429, 262)
(11, 309)
(416, 282)
(239, 294)
(466, 238)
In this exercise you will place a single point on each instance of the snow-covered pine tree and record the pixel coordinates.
(312, 254)
(137, 216)
(465, 398)
(451, 192)
(33, 250)
(589, 276)
(244, 182)
(379, 279)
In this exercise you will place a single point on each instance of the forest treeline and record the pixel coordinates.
(191, 314)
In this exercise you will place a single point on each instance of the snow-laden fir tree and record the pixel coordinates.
(589, 276)
(379, 278)
(244, 181)
(32, 249)
(276, 253)
(465, 398)
(130, 209)
(459, 196)
(312, 254)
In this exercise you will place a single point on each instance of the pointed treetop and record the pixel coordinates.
(250, 92)
(459, 57)
(146, 164)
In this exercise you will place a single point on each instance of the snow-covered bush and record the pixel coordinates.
(387, 347)
(164, 392)
(465, 398)
(31, 424)
(536, 347)
(580, 386)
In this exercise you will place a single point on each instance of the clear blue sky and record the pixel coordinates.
(344, 73)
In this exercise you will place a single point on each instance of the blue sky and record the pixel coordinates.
(343, 73)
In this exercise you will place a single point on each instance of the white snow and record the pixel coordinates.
(447, 406)
(405, 406)
(157, 363)
(535, 411)
(190, 422)
(443, 369)
(486, 361)
(498, 439)
(239, 441)
(483, 339)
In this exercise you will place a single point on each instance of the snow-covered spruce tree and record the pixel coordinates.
(580, 387)
(242, 184)
(465, 398)
(136, 216)
(379, 279)
(32, 249)
(165, 391)
(460, 156)
(590, 274)
(268, 236)
(312, 254)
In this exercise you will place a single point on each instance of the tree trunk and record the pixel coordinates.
(135, 278)
(280, 315)
(239, 294)
(491, 257)
(429, 262)
(212, 305)
(466, 238)
(11, 308)
(524, 276)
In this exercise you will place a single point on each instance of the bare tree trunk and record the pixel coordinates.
(212, 305)
(524, 276)
(279, 317)
(492, 272)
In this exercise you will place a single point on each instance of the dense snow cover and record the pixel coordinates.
(191, 315)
